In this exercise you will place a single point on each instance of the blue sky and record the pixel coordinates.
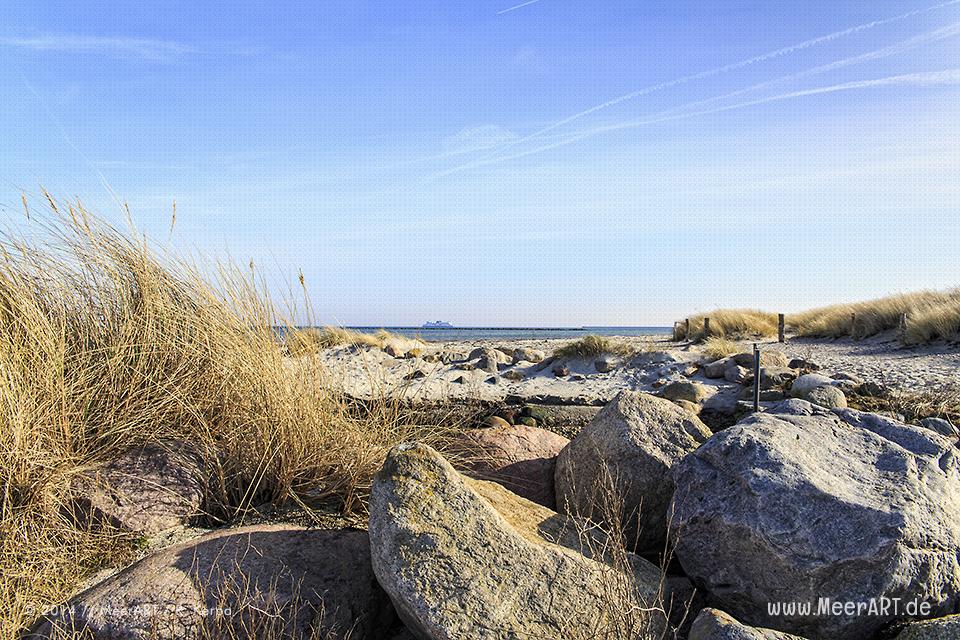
(560, 163)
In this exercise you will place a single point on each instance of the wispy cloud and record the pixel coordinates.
(515, 7)
(142, 49)
(946, 77)
(709, 73)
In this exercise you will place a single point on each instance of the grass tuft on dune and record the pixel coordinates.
(592, 346)
(729, 323)
(311, 340)
(105, 344)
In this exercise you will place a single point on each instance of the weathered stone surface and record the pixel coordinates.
(827, 396)
(947, 628)
(807, 383)
(686, 405)
(715, 370)
(939, 425)
(526, 354)
(145, 490)
(606, 363)
(560, 370)
(849, 377)
(737, 374)
(488, 359)
(801, 503)
(803, 363)
(520, 458)
(514, 375)
(632, 445)
(463, 558)
(767, 359)
(713, 624)
(567, 420)
(496, 422)
(771, 377)
(242, 583)
(685, 390)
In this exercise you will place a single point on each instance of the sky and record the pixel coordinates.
(506, 163)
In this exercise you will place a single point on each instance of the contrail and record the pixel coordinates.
(522, 4)
(730, 67)
(922, 79)
(66, 138)
(899, 47)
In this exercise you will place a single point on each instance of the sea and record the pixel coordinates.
(444, 334)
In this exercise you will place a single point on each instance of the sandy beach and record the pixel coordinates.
(443, 370)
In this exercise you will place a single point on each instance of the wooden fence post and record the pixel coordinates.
(687, 332)
(756, 378)
(902, 328)
(706, 327)
(853, 324)
(780, 322)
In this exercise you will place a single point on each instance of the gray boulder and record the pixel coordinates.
(463, 558)
(713, 624)
(259, 581)
(145, 490)
(737, 375)
(807, 383)
(489, 359)
(947, 628)
(827, 396)
(801, 503)
(628, 450)
(716, 369)
(685, 390)
(771, 377)
(939, 425)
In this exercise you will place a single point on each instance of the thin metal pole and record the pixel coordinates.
(756, 378)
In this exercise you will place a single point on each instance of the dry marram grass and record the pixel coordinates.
(593, 346)
(729, 323)
(104, 345)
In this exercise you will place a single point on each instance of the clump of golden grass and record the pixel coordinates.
(311, 340)
(716, 348)
(930, 315)
(729, 323)
(593, 346)
(104, 345)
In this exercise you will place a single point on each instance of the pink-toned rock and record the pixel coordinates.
(145, 490)
(278, 581)
(518, 457)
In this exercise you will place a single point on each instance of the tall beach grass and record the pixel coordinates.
(106, 344)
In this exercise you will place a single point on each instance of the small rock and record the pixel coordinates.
(686, 405)
(873, 390)
(496, 422)
(528, 421)
(661, 382)
(606, 363)
(416, 352)
(804, 364)
(768, 358)
(415, 375)
(807, 383)
(492, 380)
(713, 624)
(577, 377)
(843, 375)
(690, 371)
(513, 376)
(685, 390)
(737, 375)
(772, 377)
(561, 370)
(459, 380)
(939, 425)
(717, 368)
(827, 396)
(466, 366)
(525, 354)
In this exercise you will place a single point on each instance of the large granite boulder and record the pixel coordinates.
(464, 558)
(252, 582)
(713, 624)
(520, 458)
(626, 453)
(147, 489)
(801, 504)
